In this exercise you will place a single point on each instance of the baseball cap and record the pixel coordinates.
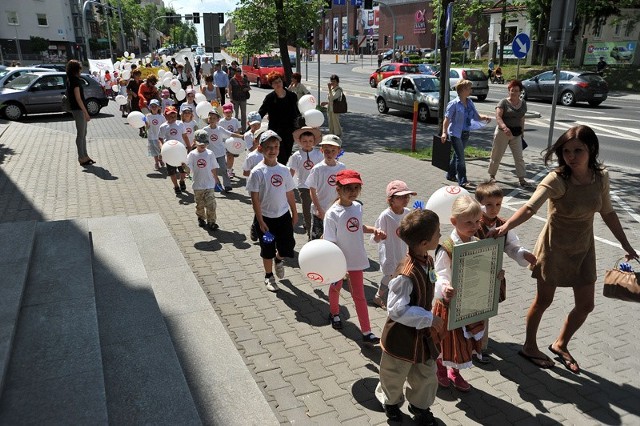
(214, 111)
(154, 102)
(186, 107)
(227, 107)
(398, 187)
(331, 140)
(317, 136)
(254, 117)
(201, 137)
(170, 109)
(263, 128)
(345, 177)
(268, 134)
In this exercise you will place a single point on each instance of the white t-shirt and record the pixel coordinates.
(272, 183)
(323, 179)
(190, 129)
(302, 162)
(253, 159)
(248, 139)
(201, 166)
(232, 124)
(173, 131)
(206, 68)
(154, 121)
(165, 102)
(343, 226)
(392, 250)
(217, 136)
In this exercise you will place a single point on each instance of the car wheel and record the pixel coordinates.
(423, 113)
(372, 82)
(258, 82)
(382, 106)
(595, 103)
(93, 107)
(482, 97)
(13, 111)
(567, 98)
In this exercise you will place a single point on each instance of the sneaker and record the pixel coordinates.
(492, 179)
(370, 339)
(458, 381)
(212, 226)
(177, 190)
(379, 301)
(279, 269)
(393, 412)
(228, 189)
(524, 183)
(442, 375)
(183, 186)
(451, 179)
(201, 223)
(218, 188)
(422, 417)
(482, 358)
(468, 185)
(335, 321)
(271, 283)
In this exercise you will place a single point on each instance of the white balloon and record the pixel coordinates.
(322, 262)
(180, 94)
(306, 103)
(115, 87)
(313, 118)
(161, 73)
(133, 55)
(126, 54)
(200, 97)
(117, 65)
(235, 145)
(126, 74)
(136, 119)
(147, 60)
(174, 153)
(164, 57)
(166, 81)
(127, 66)
(175, 85)
(442, 200)
(121, 100)
(202, 109)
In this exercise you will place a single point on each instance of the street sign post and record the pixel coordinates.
(520, 47)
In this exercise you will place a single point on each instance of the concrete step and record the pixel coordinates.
(55, 373)
(16, 243)
(143, 377)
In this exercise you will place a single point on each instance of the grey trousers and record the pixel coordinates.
(81, 136)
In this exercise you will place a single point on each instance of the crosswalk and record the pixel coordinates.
(605, 126)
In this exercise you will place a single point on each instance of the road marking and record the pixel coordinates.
(626, 207)
(609, 130)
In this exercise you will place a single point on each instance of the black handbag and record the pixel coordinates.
(515, 131)
(340, 105)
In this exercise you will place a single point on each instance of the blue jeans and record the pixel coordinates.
(457, 165)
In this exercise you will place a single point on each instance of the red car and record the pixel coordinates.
(394, 68)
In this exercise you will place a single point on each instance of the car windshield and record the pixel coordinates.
(475, 75)
(22, 82)
(3, 73)
(270, 61)
(412, 69)
(591, 77)
(427, 84)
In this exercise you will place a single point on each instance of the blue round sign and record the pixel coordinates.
(521, 45)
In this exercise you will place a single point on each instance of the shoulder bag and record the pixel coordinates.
(340, 104)
(65, 103)
(621, 283)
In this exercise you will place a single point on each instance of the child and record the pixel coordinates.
(408, 349)
(322, 181)
(203, 167)
(343, 227)
(458, 345)
(271, 187)
(301, 163)
(217, 137)
(253, 158)
(122, 90)
(391, 250)
(233, 125)
(254, 120)
(173, 129)
(166, 99)
(190, 125)
(153, 123)
(490, 195)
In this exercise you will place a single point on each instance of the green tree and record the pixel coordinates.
(38, 44)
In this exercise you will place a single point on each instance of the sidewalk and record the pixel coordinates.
(310, 373)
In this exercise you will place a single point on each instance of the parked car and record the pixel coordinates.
(11, 73)
(199, 50)
(621, 53)
(429, 69)
(56, 67)
(164, 51)
(478, 78)
(40, 92)
(257, 67)
(194, 47)
(574, 86)
(387, 55)
(394, 68)
(401, 91)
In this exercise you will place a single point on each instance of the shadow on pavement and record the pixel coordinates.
(100, 172)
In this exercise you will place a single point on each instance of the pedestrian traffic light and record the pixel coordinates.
(386, 40)
(310, 37)
(368, 4)
(196, 17)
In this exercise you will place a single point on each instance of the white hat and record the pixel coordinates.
(254, 117)
(268, 135)
(331, 140)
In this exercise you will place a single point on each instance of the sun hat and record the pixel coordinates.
(268, 134)
(317, 136)
(331, 140)
(201, 137)
(398, 188)
(254, 117)
(345, 177)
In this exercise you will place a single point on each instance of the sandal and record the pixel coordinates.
(536, 360)
(567, 362)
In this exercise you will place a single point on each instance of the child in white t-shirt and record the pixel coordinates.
(173, 129)
(301, 163)
(392, 250)
(190, 125)
(254, 120)
(153, 123)
(322, 182)
(343, 227)
(203, 165)
(217, 137)
(166, 100)
(233, 125)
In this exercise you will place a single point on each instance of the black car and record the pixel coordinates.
(574, 86)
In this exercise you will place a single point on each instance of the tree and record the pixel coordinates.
(38, 44)
(255, 21)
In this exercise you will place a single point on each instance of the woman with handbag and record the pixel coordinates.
(239, 93)
(509, 132)
(296, 85)
(335, 93)
(576, 190)
(75, 96)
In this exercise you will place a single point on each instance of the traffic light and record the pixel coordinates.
(327, 4)
(221, 18)
(196, 17)
(310, 37)
(386, 40)
(368, 4)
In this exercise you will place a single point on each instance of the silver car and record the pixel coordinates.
(11, 73)
(478, 79)
(401, 91)
(40, 92)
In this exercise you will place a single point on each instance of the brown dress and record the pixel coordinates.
(565, 248)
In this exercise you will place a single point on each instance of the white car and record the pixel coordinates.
(10, 73)
(199, 50)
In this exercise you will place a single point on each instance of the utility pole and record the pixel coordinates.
(503, 28)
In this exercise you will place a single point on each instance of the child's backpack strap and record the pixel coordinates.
(447, 245)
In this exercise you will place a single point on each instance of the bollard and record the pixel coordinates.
(415, 126)
(336, 58)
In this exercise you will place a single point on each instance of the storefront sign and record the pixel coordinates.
(618, 52)
(420, 24)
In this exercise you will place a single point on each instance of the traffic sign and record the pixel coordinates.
(465, 44)
(399, 37)
(521, 45)
(466, 35)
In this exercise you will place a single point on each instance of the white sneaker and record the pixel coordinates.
(279, 269)
(271, 283)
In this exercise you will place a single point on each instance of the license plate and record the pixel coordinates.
(597, 95)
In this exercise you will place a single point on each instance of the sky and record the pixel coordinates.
(187, 7)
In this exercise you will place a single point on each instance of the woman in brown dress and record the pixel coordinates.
(576, 190)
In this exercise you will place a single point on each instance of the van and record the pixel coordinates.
(257, 67)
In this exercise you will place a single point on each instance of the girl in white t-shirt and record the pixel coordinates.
(153, 122)
(343, 227)
(190, 125)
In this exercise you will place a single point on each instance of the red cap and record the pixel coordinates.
(345, 177)
(170, 109)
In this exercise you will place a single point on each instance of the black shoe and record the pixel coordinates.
(177, 190)
(228, 189)
(212, 226)
(252, 234)
(393, 412)
(183, 186)
(201, 223)
(422, 417)
(335, 321)
(370, 339)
